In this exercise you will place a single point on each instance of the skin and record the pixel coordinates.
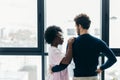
(58, 40)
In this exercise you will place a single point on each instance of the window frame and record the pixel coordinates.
(40, 38)
(39, 51)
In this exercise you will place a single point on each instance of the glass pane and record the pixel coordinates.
(113, 73)
(18, 23)
(20, 67)
(62, 13)
(63, 16)
(114, 24)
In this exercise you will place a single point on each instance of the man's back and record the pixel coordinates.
(86, 50)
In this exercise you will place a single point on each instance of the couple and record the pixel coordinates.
(84, 50)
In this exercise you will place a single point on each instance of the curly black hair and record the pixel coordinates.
(51, 32)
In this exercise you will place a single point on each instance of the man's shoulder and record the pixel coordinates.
(95, 38)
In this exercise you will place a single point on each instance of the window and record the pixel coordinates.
(62, 13)
(104, 15)
(113, 72)
(20, 67)
(114, 24)
(18, 23)
(20, 40)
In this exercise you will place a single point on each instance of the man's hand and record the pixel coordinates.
(98, 71)
(50, 70)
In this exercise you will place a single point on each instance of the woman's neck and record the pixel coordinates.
(55, 45)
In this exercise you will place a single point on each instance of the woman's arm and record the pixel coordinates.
(66, 60)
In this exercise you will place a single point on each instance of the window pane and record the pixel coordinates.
(113, 73)
(62, 13)
(114, 24)
(20, 67)
(18, 23)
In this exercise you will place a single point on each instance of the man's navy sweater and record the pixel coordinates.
(86, 50)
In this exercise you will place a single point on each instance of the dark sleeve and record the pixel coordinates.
(60, 67)
(65, 61)
(111, 59)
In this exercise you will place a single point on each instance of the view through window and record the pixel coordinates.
(20, 67)
(18, 29)
(114, 24)
(18, 23)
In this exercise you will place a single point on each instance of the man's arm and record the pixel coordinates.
(58, 68)
(111, 59)
(66, 60)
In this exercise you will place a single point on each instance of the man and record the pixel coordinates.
(85, 52)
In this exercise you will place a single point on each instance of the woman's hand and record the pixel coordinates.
(70, 41)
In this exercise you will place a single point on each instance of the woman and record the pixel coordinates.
(53, 36)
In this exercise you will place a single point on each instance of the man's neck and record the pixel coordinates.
(84, 32)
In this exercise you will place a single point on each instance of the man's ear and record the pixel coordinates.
(79, 26)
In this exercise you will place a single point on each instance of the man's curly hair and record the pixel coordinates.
(83, 20)
(51, 32)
